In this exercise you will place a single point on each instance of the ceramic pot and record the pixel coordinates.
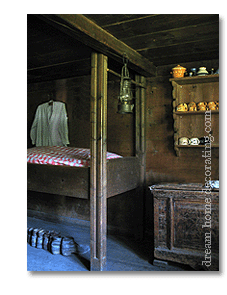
(178, 71)
(194, 141)
(212, 106)
(192, 107)
(183, 141)
(202, 106)
(202, 71)
(182, 107)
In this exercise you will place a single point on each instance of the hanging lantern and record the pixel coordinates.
(125, 99)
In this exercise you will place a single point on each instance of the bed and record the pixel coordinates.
(65, 171)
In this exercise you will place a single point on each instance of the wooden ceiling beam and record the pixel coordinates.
(89, 33)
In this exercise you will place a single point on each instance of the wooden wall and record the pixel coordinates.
(121, 129)
(162, 164)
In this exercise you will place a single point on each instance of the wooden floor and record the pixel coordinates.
(122, 254)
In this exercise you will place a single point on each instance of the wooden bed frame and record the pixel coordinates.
(104, 178)
(122, 175)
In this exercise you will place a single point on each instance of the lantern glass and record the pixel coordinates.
(125, 99)
(126, 89)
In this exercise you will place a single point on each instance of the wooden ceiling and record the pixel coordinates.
(51, 54)
(165, 38)
(56, 48)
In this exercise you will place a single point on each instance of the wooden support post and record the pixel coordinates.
(143, 129)
(141, 125)
(98, 167)
(93, 163)
(140, 122)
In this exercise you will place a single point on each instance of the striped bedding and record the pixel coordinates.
(63, 156)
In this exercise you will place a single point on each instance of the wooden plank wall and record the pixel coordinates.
(162, 164)
(121, 129)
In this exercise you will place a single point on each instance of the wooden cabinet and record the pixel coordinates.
(186, 225)
(192, 124)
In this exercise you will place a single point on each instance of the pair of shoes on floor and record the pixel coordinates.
(54, 242)
(67, 246)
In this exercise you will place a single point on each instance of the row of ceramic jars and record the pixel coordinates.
(200, 106)
(51, 241)
(180, 72)
(194, 140)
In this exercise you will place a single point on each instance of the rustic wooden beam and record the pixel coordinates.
(102, 162)
(140, 144)
(98, 187)
(89, 33)
(93, 161)
(118, 75)
(140, 119)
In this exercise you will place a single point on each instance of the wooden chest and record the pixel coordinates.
(186, 225)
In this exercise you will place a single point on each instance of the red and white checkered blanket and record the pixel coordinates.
(59, 155)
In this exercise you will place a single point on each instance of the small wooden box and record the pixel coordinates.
(186, 225)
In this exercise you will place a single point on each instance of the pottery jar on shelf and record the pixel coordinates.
(202, 71)
(178, 71)
(182, 107)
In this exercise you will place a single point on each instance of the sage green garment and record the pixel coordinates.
(50, 125)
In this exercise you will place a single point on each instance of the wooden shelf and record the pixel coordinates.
(193, 124)
(195, 146)
(196, 79)
(194, 113)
